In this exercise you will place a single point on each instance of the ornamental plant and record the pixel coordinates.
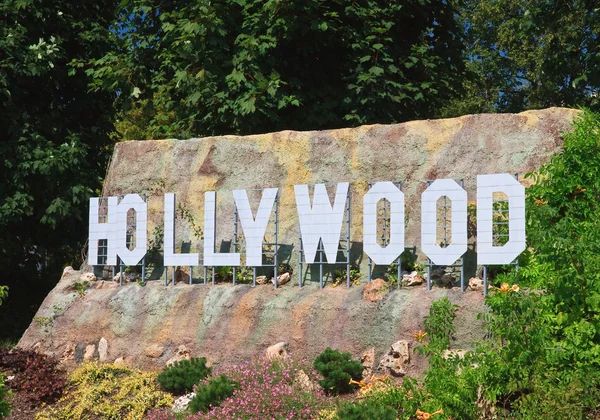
(337, 369)
(212, 393)
(108, 391)
(36, 375)
(181, 376)
(269, 388)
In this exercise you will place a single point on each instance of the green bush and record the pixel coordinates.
(365, 410)
(337, 369)
(181, 376)
(212, 393)
(4, 395)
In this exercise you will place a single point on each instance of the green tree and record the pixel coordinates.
(55, 142)
(195, 67)
(528, 54)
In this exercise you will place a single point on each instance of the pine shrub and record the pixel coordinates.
(181, 376)
(365, 410)
(212, 393)
(337, 369)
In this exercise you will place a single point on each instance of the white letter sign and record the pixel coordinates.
(212, 258)
(254, 228)
(134, 256)
(379, 191)
(429, 245)
(171, 258)
(320, 221)
(487, 185)
(107, 230)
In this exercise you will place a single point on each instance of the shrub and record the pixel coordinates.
(108, 391)
(365, 410)
(212, 393)
(269, 389)
(337, 369)
(181, 376)
(37, 375)
(4, 395)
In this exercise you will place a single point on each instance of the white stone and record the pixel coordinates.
(283, 279)
(90, 349)
(103, 350)
(278, 350)
(181, 404)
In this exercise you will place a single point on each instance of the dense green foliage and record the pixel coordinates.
(528, 54)
(212, 393)
(337, 369)
(365, 410)
(55, 142)
(197, 68)
(540, 359)
(181, 376)
(5, 394)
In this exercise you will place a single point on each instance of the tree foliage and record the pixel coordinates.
(55, 137)
(529, 54)
(244, 66)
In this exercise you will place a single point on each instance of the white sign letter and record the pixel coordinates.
(171, 258)
(134, 256)
(379, 191)
(487, 253)
(254, 229)
(107, 230)
(458, 246)
(321, 221)
(211, 258)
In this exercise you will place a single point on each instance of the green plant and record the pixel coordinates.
(337, 369)
(108, 391)
(5, 394)
(80, 287)
(367, 409)
(223, 273)
(185, 214)
(3, 293)
(181, 376)
(212, 393)
(153, 255)
(439, 325)
(340, 276)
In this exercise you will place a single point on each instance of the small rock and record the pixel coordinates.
(397, 358)
(283, 279)
(368, 361)
(154, 351)
(476, 284)
(412, 279)
(262, 280)
(119, 361)
(375, 290)
(103, 350)
(303, 380)
(88, 277)
(181, 276)
(447, 280)
(117, 278)
(68, 271)
(90, 349)
(181, 404)
(278, 350)
(37, 347)
(182, 353)
(69, 353)
(10, 378)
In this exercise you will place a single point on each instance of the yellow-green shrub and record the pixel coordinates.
(109, 391)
